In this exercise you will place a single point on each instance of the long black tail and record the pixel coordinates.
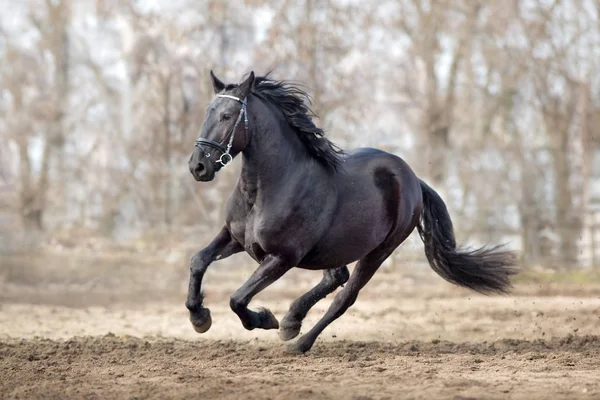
(485, 270)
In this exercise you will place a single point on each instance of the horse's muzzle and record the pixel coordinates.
(203, 171)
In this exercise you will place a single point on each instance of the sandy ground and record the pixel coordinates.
(410, 335)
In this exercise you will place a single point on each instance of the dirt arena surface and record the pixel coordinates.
(116, 367)
(410, 335)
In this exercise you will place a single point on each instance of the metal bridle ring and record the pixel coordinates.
(228, 159)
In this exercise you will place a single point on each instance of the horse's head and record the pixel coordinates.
(224, 133)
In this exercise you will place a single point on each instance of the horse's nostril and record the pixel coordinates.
(199, 168)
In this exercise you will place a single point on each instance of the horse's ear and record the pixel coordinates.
(247, 86)
(218, 86)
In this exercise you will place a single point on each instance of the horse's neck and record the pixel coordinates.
(273, 159)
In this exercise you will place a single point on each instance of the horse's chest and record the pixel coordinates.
(243, 230)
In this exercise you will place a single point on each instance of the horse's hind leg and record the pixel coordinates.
(290, 325)
(363, 272)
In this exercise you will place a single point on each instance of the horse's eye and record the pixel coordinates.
(225, 117)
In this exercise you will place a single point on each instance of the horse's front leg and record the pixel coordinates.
(271, 269)
(222, 246)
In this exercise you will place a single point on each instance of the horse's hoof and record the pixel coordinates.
(289, 329)
(267, 319)
(301, 345)
(296, 349)
(201, 320)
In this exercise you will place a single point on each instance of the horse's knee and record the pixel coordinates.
(236, 304)
(197, 263)
(341, 275)
(336, 277)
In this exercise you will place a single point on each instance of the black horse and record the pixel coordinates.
(302, 202)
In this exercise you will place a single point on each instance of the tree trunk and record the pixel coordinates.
(167, 154)
(567, 223)
(527, 212)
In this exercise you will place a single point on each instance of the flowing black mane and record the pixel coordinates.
(295, 105)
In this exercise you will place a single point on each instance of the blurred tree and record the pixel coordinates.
(101, 100)
(37, 81)
(439, 34)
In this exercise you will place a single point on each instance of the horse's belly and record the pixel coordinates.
(347, 242)
(336, 256)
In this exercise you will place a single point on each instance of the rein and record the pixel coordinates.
(226, 158)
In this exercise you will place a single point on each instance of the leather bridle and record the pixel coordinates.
(226, 158)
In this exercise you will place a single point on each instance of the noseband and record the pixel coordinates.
(226, 158)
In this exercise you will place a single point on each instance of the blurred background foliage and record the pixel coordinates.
(495, 103)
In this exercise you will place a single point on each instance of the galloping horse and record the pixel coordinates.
(302, 202)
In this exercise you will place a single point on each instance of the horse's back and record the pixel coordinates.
(362, 155)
